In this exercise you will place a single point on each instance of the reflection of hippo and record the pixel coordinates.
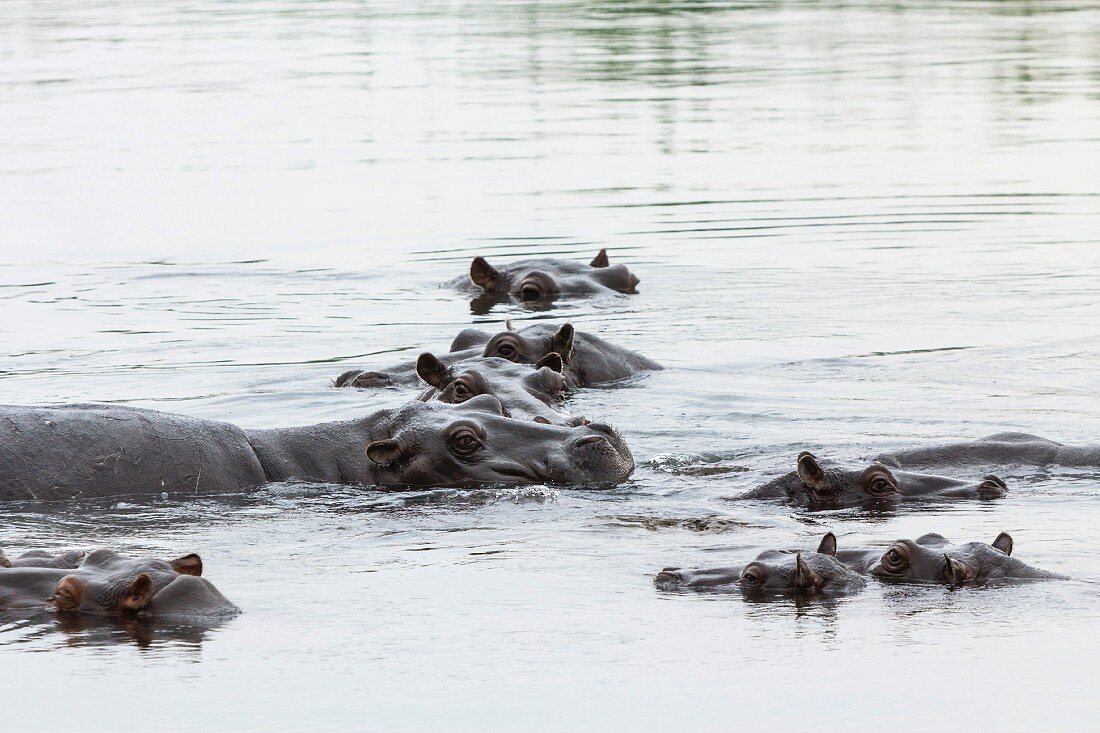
(589, 360)
(105, 582)
(106, 450)
(931, 559)
(540, 281)
(526, 392)
(819, 486)
(773, 572)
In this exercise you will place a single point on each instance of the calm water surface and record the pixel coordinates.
(858, 226)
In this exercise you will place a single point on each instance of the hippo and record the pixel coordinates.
(75, 451)
(1000, 449)
(819, 485)
(588, 360)
(932, 559)
(538, 282)
(774, 572)
(527, 392)
(105, 582)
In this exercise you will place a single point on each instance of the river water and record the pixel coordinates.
(859, 226)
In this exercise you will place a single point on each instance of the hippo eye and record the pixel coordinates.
(529, 291)
(462, 392)
(880, 486)
(506, 350)
(465, 442)
(752, 577)
(896, 559)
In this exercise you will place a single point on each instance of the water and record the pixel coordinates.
(857, 226)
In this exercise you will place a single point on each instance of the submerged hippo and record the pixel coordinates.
(932, 559)
(540, 281)
(79, 451)
(820, 485)
(104, 582)
(527, 392)
(1001, 449)
(773, 572)
(588, 360)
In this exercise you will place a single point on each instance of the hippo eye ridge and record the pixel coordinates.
(753, 577)
(506, 350)
(896, 559)
(465, 442)
(462, 392)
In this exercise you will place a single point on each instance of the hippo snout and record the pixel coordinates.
(992, 487)
(668, 578)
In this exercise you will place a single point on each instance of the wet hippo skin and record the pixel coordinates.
(543, 280)
(527, 392)
(105, 582)
(773, 572)
(931, 558)
(588, 360)
(108, 450)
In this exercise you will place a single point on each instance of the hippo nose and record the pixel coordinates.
(600, 427)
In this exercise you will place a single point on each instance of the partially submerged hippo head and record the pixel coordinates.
(107, 582)
(542, 280)
(532, 344)
(931, 559)
(527, 392)
(774, 572)
(821, 485)
(435, 444)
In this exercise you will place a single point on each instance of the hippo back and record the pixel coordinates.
(74, 451)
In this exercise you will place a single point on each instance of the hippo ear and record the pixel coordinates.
(1004, 543)
(483, 274)
(68, 595)
(137, 595)
(811, 473)
(188, 565)
(384, 452)
(828, 544)
(432, 370)
(562, 342)
(956, 571)
(600, 260)
(552, 360)
(804, 577)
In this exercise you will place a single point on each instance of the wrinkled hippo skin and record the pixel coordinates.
(932, 559)
(111, 450)
(588, 359)
(105, 582)
(538, 282)
(527, 392)
(773, 572)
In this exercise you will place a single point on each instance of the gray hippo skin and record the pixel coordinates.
(527, 392)
(588, 359)
(538, 282)
(104, 582)
(773, 572)
(821, 484)
(932, 559)
(110, 450)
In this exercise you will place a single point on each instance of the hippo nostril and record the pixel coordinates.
(601, 428)
(541, 420)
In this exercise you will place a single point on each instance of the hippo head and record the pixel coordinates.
(534, 392)
(437, 444)
(532, 344)
(543, 280)
(821, 485)
(930, 559)
(106, 582)
(774, 572)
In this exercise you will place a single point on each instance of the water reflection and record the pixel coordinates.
(50, 629)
